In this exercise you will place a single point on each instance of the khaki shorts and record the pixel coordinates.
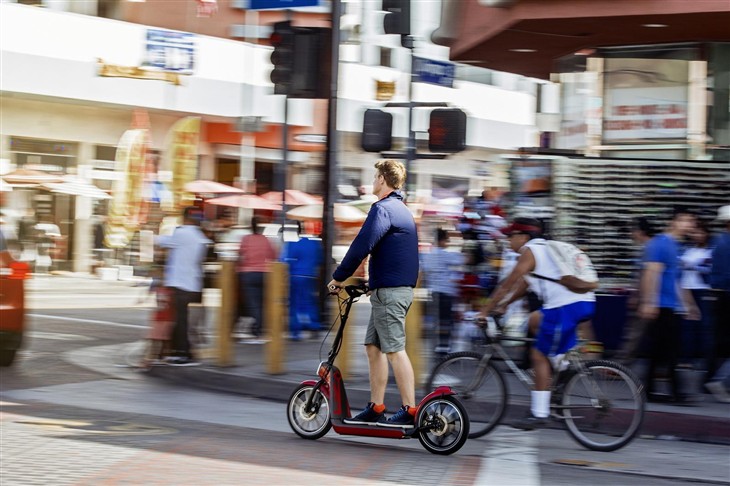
(387, 326)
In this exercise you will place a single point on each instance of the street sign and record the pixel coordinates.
(430, 71)
(310, 138)
(280, 4)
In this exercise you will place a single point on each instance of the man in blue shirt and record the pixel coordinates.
(389, 236)
(662, 300)
(187, 247)
(443, 273)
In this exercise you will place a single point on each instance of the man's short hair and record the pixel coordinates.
(681, 211)
(192, 214)
(643, 224)
(442, 235)
(393, 171)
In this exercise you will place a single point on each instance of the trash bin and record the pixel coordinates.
(610, 319)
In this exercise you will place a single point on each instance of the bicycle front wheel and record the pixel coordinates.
(479, 386)
(603, 408)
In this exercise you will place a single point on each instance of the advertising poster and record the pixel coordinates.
(181, 159)
(126, 206)
(645, 99)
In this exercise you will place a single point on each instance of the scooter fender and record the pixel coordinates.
(438, 392)
(325, 387)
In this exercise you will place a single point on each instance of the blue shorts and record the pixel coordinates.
(557, 330)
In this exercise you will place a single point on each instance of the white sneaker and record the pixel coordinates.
(718, 391)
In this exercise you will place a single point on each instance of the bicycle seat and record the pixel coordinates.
(356, 290)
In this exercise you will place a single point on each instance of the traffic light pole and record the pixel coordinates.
(331, 165)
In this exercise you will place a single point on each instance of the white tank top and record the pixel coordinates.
(552, 294)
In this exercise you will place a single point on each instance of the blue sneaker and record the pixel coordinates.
(367, 417)
(402, 419)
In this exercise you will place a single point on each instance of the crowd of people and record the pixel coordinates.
(679, 313)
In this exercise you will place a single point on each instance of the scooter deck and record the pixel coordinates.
(372, 430)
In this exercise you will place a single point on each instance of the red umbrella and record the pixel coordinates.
(293, 197)
(211, 187)
(245, 201)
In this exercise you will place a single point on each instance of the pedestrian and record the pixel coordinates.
(389, 236)
(162, 321)
(254, 255)
(696, 264)
(642, 231)
(719, 383)
(304, 257)
(442, 274)
(187, 248)
(662, 303)
(562, 310)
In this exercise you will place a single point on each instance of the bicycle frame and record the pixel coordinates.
(494, 349)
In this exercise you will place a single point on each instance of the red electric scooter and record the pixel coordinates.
(316, 406)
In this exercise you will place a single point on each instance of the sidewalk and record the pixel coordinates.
(705, 421)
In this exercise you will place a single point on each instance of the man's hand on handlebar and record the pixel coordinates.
(335, 287)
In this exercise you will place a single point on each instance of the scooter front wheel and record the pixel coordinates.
(443, 425)
(313, 423)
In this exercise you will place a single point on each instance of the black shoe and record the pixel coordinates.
(530, 422)
(183, 361)
(367, 417)
(401, 419)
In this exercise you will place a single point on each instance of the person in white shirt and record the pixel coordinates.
(696, 264)
(562, 310)
(188, 247)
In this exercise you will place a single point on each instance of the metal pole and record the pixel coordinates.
(407, 42)
(331, 166)
(284, 161)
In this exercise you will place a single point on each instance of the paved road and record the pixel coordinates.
(64, 423)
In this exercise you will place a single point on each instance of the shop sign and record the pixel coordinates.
(645, 99)
(170, 50)
(431, 71)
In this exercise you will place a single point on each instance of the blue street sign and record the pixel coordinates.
(280, 4)
(431, 71)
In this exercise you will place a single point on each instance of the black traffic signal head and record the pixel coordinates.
(377, 131)
(447, 130)
(283, 41)
(397, 19)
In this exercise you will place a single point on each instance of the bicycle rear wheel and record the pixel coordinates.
(603, 409)
(479, 386)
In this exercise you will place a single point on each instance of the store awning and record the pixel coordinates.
(211, 187)
(293, 197)
(30, 178)
(76, 187)
(313, 212)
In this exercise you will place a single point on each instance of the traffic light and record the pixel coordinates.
(312, 62)
(301, 59)
(397, 19)
(377, 131)
(447, 130)
(283, 57)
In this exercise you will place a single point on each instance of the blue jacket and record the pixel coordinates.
(720, 275)
(389, 236)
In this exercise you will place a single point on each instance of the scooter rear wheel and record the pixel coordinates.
(443, 425)
(309, 424)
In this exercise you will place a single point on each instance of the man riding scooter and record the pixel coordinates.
(389, 236)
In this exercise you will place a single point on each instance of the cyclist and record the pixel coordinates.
(561, 310)
(389, 236)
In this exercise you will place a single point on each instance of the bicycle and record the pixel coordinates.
(600, 402)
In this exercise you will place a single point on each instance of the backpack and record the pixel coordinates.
(576, 269)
